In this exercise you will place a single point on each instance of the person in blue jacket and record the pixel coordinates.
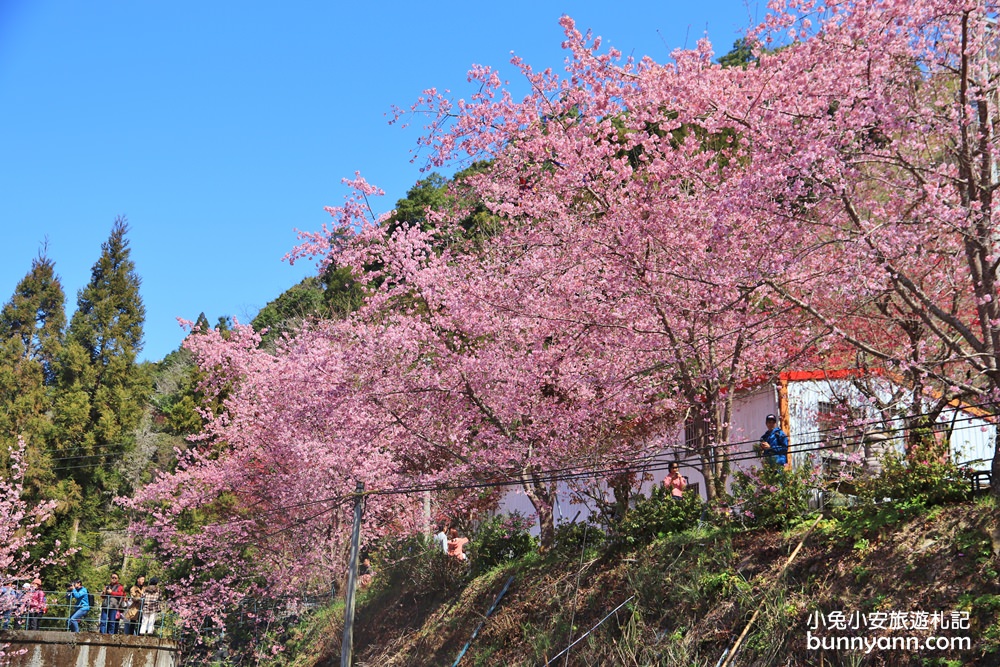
(81, 605)
(774, 443)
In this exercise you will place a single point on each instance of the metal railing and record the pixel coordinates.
(19, 612)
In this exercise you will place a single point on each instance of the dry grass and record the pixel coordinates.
(693, 597)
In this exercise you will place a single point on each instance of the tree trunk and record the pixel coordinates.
(543, 500)
(622, 487)
(711, 433)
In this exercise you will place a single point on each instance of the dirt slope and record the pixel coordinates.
(693, 593)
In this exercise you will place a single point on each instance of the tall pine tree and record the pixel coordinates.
(102, 391)
(36, 314)
(32, 326)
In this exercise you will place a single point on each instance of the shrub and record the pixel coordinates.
(500, 539)
(659, 515)
(772, 496)
(416, 563)
(905, 488)
(571, 537)
(919, 478)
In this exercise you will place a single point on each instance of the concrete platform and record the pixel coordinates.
(26, 648)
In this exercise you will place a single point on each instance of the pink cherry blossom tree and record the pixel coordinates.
(875, 133)
(20, 525)
(261, 504)
(486, 388)
(627, 208)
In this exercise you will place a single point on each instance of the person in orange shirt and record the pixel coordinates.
(365, 573)
(675, 481)
(455, 545)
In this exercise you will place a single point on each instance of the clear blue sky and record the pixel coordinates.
(218, 127)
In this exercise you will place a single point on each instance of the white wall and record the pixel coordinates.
(569, 505)
(972, 438)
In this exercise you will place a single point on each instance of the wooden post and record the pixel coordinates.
(347, 646)
(785, 418)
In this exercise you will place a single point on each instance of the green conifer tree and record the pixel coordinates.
(102, 391)
(36, 314)
(201, 324)
(32, 326)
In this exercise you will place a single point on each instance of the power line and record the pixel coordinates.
(647, 465)
(340, 500)
(650, 463)
(875, 421)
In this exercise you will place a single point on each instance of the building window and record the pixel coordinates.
(695, 433)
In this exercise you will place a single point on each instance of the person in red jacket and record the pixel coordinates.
(113, 596)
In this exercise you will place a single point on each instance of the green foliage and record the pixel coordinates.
(657, 516)
(32, 326)
(110, 314)
(24, 401)
(740, 55)
(429, 193)
(920, 478)
(976, 548)
(723, 584)
(436, 193)
(175, 396)
(501, 539)
(35, 316)
(308, 636)
(100, 396)
(540, 641)
(334, 294)
(769, 638)
(973, 543)
(417, 564)
(342, 294)
(772, 496)
(102, 391)
(991, 639)
(694, 567)
(905, 487)
(570, 538)
(294, 305)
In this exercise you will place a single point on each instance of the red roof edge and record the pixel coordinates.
(838, 374)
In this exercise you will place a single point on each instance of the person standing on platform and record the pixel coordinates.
(134, 609)
(79, 598)
(111, 604)
(150, 607)
(35, 605)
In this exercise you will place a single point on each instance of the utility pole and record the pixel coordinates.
(347, 645)
(427, 514)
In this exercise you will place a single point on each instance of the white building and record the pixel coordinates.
(826, 414)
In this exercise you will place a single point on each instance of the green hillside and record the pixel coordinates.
(688, 595)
